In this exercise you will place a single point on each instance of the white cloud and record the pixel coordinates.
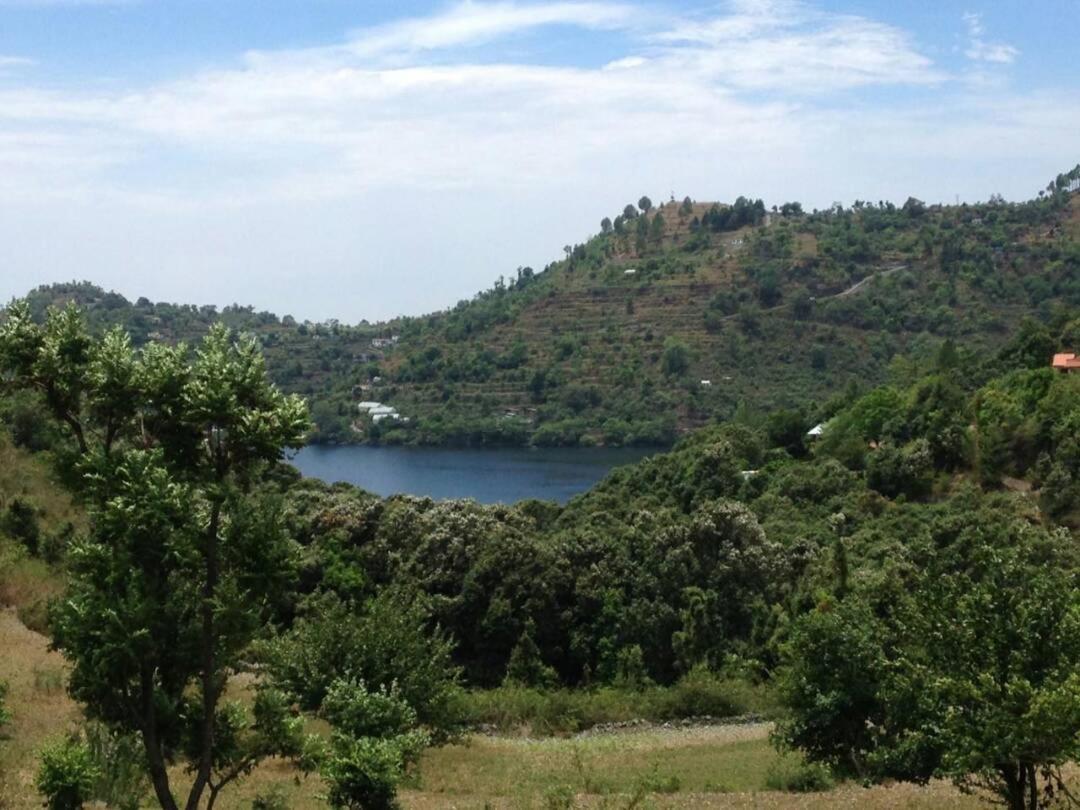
(979, 50)
(8, 63)
(322, 159)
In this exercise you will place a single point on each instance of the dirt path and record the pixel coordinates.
(854, 288)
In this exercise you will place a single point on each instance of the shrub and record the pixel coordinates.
(20, 522)
(67, 774)
(120, 762)
(375, 739)
(272, 799)
(805, 777)
(526, 667)
(5, 715)
(386, 646)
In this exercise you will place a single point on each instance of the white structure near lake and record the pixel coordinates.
(378, 412)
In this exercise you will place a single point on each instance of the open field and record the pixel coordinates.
(723, 766)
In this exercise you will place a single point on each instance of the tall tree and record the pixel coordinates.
(184, 558)
(969, 672)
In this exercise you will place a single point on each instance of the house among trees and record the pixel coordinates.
(1066, 362)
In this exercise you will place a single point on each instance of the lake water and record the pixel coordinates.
(489, 476)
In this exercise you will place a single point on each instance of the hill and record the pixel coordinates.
(669, 318)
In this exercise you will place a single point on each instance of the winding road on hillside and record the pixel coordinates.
(854, 288)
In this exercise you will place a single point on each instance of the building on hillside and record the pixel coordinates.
(630, 271)
(384, 342)
(706, 383)
(816, 431)
(368, 405)
(1066, 362)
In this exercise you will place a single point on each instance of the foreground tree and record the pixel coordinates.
(184, 558)
(972, 675)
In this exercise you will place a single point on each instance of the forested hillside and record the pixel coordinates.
(671, 316)
(904, 584)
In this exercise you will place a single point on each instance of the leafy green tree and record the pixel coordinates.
(676, 358)
(687, 207)
(971, 675)
(645, 204)
(605, 225)
(184, 559)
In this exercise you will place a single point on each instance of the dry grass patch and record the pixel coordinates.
(40, 708)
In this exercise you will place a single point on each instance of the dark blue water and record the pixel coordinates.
(488, 476)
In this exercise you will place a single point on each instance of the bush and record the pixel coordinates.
(363, 774)
(375, 739)
(526, 667)
(67, 774)
(805, 777)
(272, 799)
(120, 762)
(386, 645)
(699, 694)
(5, 715)
(20, 522)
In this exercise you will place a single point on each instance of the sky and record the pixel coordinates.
(361, 160)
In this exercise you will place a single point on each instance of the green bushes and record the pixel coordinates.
(802, 777)
(376, 736)
(385, 644)
(700, 694)
(67, 774)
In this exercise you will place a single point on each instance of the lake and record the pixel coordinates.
(488, 476)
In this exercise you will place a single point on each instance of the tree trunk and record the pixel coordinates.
(159, 774)
(1014, 777)
(208, 664)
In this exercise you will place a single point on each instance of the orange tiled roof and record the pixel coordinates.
(1066, 361)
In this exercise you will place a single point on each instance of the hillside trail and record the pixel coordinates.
(854, 288)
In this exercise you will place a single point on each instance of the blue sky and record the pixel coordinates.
(365, 159)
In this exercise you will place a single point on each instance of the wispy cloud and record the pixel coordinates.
(765, 97)
(10, 62)
(979, 50)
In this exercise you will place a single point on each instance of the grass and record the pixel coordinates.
(28, 583)
(708, 767)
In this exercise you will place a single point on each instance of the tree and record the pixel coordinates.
(676, 359)
(184, 558)
(629, 212)
(687, 207)
(645, 204)
(656, 230)
(972, 675)
(605, 225)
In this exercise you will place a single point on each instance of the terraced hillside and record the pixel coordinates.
(637, 340)
(670, 317)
